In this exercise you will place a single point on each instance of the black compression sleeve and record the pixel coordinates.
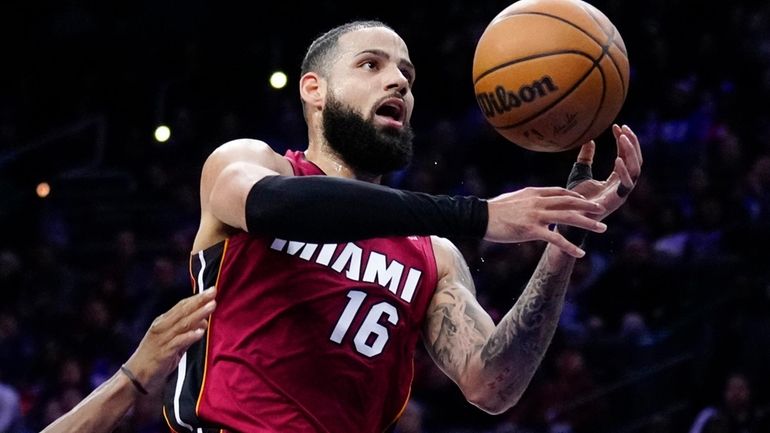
(330, 209)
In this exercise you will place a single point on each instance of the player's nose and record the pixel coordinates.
(396, 80)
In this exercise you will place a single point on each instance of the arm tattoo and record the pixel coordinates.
(516, 347)
(460, 331)
(500, 360)
(458, 337)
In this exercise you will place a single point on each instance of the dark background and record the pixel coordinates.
(669, 301)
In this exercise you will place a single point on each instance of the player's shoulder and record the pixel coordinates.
(243, 146)
(446, 252)
(450, 264)
(442, 245)
(249, 151)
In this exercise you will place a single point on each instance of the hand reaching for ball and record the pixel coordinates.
(612, 192)
(527, 214)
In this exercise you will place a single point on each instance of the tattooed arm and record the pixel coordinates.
(493, 364)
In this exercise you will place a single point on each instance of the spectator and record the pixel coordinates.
(736, 413)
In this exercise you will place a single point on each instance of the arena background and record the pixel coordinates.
(669, 302)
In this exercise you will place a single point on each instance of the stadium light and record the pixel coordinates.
(162, 133)
(43, 189)
(278, 80)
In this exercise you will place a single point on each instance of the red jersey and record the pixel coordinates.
(306, 337)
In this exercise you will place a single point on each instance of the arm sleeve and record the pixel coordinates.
(330, 209)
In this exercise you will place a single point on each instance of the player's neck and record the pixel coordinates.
(333, 165)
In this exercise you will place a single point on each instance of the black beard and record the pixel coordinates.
(365, 148)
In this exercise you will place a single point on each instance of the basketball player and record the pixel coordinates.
(326, 280)
(146, 370)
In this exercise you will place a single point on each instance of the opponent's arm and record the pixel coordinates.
(100, 411)
(154, 359)
(493, 364)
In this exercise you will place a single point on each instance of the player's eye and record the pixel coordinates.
(370, 65)
(408, 75)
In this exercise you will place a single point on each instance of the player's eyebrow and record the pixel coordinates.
(380, 53)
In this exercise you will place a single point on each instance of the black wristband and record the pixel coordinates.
(133, 379)
(331, 209)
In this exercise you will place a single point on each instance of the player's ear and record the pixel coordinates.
(312, 90)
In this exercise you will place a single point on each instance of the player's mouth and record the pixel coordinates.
(391, 112)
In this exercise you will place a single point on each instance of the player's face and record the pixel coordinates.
(373, 75)
(369, 102)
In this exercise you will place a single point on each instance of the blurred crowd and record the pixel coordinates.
(666, 327)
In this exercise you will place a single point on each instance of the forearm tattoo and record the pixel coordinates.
(463, 339)
(460, 331)
(458, 337)
(518, 344)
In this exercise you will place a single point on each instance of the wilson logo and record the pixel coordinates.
(503, 100)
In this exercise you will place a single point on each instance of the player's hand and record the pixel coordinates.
(168, 338)
(526, 215)
(614, 191)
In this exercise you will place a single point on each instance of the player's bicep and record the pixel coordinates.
(230, 173)
(456, 326)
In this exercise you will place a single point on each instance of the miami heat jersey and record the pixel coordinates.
(306, 337)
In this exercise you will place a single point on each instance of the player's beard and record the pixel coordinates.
(364, 147)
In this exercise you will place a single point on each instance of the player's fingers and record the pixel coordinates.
(616, 131)
(613, 177)
(187, 306)
(626, 184)
(195, 319)
(576, 219)
(562, 243)
(586, 155)
(181, 310)
(635, 142)
(196, 327)
(552, 191)
(183, 341)
(571, 204)
(630, 158)
(622, 171)
(200, 324)
(163, 323)
(203, 312)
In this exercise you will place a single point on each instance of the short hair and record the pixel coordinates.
(318, 54)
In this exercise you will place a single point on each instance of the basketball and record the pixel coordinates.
(550, 75)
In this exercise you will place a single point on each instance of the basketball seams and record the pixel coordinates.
(504, 62)
(611, 35)
(532, 57)
(604, 47)
(596, 113)
(612, 41)
(552, 104)
(556, 17)
(605, 50)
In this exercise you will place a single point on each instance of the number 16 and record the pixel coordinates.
(369, 326)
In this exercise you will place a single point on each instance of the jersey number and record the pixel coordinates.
(370, 327)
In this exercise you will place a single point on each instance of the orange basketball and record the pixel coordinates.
(550, 75)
